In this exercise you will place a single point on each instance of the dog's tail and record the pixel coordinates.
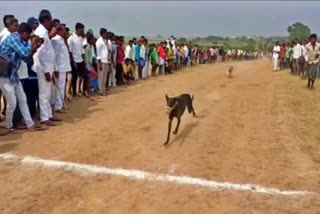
(192, 97)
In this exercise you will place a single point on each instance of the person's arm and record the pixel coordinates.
(20, 48)
(99, 50)
(71, 48)
(55, 45)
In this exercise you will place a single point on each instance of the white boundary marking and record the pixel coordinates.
(85, 169)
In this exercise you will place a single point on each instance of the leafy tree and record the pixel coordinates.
(298, 31)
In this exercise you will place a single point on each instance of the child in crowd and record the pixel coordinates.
(128, 71)
(94, 80)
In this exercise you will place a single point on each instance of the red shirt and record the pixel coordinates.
(161, 52)
(93, 74)
(120, 55)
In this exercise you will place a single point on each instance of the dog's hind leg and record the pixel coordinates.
(169, 130)
(191, 109)
(177, 127)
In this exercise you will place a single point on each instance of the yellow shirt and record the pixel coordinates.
(170, 54)
(127, 69)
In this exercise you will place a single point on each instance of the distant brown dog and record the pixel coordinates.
(230, 72)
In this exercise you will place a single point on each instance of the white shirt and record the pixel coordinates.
(276, 50)
(297, 51)
(133, 52)
(62, 59)
(75, 44)
(44, 57)
(4, 34)
(102, 50)
(142, 51)
(128, 52)
(186, 51)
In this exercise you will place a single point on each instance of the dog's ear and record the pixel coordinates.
(167, 97)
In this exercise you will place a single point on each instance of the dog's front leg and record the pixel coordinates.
(169, 130)
(177, 128)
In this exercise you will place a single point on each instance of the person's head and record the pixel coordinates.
(134, 40)
(104, 33)
(110, 36)
(80, 29)
(139, 42)
(313, 38)
(24, 30)
(33, 22)
(145, 41)
(277, 43)
(13, 25)
(142, 38)
(67, 32)
(55, 22)
(6, 18)
(130, 43)
(45, 19)
(121, 38)
(127, 61)
(91, 40)
(61, 31)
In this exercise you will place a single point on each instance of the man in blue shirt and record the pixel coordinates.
(15, 49)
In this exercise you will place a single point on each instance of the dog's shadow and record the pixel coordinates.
(184, 134)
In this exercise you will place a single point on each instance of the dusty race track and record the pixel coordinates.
(241, 135)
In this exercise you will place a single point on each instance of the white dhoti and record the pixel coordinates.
(112, 77)
(45, 91)
(59, 90)
(145, 70)
(275, 62)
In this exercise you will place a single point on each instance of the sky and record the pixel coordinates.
(180, 18)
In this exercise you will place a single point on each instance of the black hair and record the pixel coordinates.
(103, 31)
(44, 15)
(6, 18)
(127, 61)
(67, 29)
(64, 25)
(313, 36)
(79, 26)
(24, 28)
(130, 41)
(11, 21)
(56, 21)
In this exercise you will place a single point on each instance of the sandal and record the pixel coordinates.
(12, 131)
(37, 128)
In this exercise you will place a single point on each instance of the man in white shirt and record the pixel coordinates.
(103, 57)
(313, 53)
(61, 67)
(275, 56)
(4, 33)
(129, 50)
(186, 54)
(297, 53)
(76, 51)
(44, 67)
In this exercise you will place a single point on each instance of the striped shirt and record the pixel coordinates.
(16, 50)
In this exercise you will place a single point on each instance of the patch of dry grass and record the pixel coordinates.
(301, 107)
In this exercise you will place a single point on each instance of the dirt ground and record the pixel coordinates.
(249, 129)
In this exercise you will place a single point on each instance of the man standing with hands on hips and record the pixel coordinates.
(44, 60)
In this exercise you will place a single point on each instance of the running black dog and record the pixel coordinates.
(176, 107)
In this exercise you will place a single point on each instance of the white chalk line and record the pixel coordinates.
(85, 169)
